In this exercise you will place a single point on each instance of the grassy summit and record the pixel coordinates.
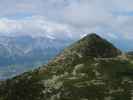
(90, 69)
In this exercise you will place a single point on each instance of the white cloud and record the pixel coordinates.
(73, 17)
(34, 26)
(7, 26)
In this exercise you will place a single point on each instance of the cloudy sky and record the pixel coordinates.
(112, 19)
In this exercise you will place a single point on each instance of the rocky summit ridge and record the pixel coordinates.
(94, 46)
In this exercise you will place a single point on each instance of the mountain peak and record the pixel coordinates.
(95, 46)
(73, 75)
(92, 35)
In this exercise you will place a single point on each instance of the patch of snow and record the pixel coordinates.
(50, 37)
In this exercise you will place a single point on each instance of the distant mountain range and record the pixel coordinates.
(22, 53)
(90, 69)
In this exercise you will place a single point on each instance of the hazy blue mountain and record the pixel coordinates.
(21, 53)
